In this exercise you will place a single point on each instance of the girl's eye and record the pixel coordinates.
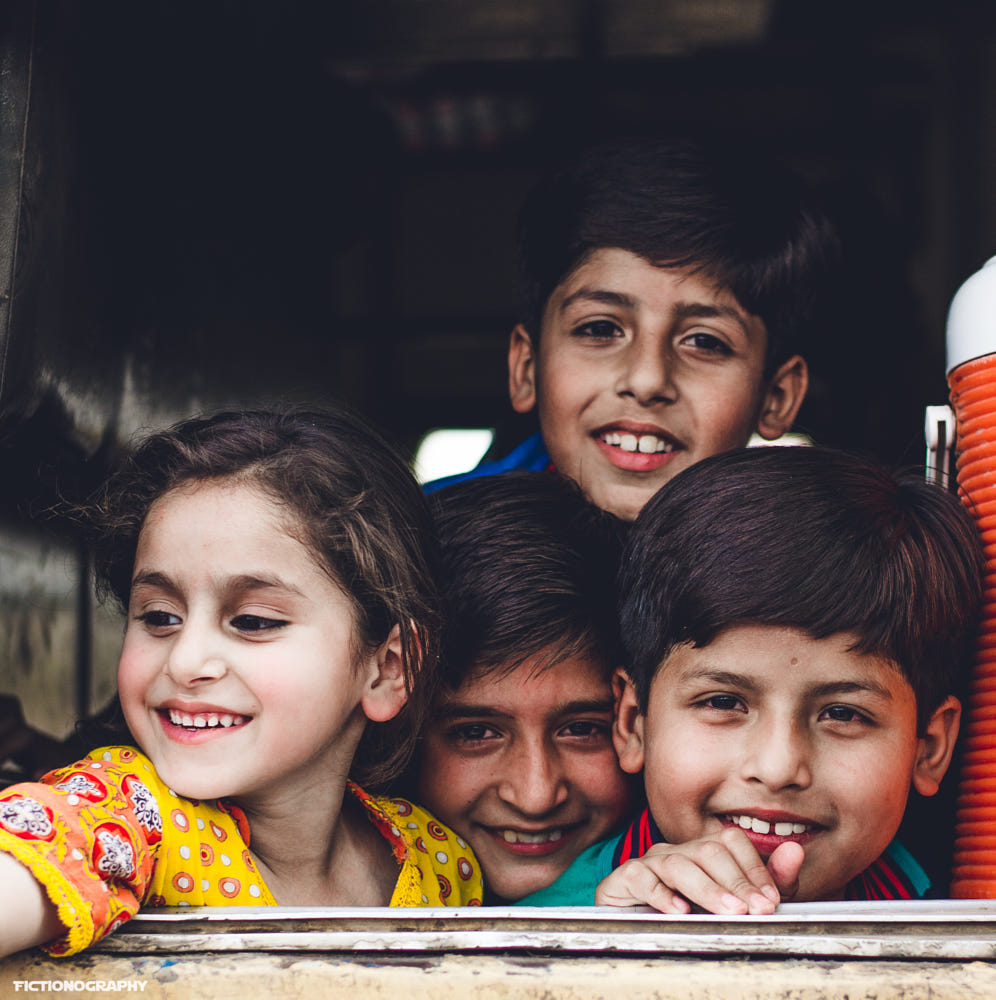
(256, 623)
(725, 703)
(842, 713)
(472, 732)
(599, 329)
(707, 343)
(158, 619)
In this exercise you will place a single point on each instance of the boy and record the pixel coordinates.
(517, 752)
(663, 289)
(794, 620)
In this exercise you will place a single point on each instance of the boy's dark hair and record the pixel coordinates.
(353, 503)
(680, 203)
(811, 539)
(528, 566)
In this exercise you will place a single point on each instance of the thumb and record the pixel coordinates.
(783, 866)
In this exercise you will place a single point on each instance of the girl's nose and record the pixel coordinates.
(193, 659)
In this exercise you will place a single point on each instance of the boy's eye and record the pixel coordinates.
(724, 703)
(842, 713)
(584, 729)
(599, 329)
(158, 619)
(256, 623)
(472, 732)
(707, 343)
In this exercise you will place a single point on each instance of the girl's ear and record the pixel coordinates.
(385, 692)
(785, 393)
(935, 747)
(521, 370)
(627, 729)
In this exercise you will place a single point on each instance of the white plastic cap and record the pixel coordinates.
(972, 317)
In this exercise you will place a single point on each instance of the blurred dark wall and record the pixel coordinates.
(221, 203)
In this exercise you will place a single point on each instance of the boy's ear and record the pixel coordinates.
(521, 370)
(385, 693)
(936, 746)
(785, 393)
(627, 728)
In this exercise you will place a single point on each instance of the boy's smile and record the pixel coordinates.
(522, 766)
(788, 738)
(641, 371)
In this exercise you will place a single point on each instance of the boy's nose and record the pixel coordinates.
(778, 754)
(646, 373)
(532, 780)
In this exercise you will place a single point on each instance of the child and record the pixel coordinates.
(517, 754)
(794, 620)
(664, 291)
(281, 631)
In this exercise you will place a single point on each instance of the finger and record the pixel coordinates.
(751, 864)
(784, 865)
(705, 873)
(633, 883)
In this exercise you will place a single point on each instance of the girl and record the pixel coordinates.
(280, 639)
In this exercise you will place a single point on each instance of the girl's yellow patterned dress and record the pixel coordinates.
(105, 836)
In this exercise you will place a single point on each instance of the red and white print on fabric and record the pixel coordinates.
(83, 785)
(146, 809)
(27, 818)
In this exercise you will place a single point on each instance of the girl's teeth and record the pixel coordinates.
(209, 721)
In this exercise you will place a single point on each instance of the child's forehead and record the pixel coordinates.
(550, 672)
(780, 658)
(618, 265)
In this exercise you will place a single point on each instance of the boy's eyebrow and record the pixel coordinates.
(827, 688)
(598, 295)
(682, 310)
(852, 687)
(709, 310)
(460, 710)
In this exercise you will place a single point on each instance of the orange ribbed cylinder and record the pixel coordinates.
(973, 399)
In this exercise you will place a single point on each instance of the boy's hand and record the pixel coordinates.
(722, 873)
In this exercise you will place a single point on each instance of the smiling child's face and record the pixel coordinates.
(240, 674)
(790, 738)
(641, 371)
(523, 767)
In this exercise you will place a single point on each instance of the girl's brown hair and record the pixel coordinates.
(359, 511)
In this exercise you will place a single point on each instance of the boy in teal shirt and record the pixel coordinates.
(794, 620)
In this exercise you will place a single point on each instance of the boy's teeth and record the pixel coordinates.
(209, 720)
(517, 837)
(645, 444)
(756, 825)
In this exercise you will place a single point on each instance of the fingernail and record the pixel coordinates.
(760, 903)
(772, 893)
(733, 903)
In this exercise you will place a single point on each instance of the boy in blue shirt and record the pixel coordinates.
(663, 291)
(794, 620)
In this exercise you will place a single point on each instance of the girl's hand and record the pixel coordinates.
(722, 873)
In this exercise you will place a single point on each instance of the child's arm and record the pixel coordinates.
(722, 874)
(27, 916)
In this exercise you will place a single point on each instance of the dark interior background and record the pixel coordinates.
(235, 201)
